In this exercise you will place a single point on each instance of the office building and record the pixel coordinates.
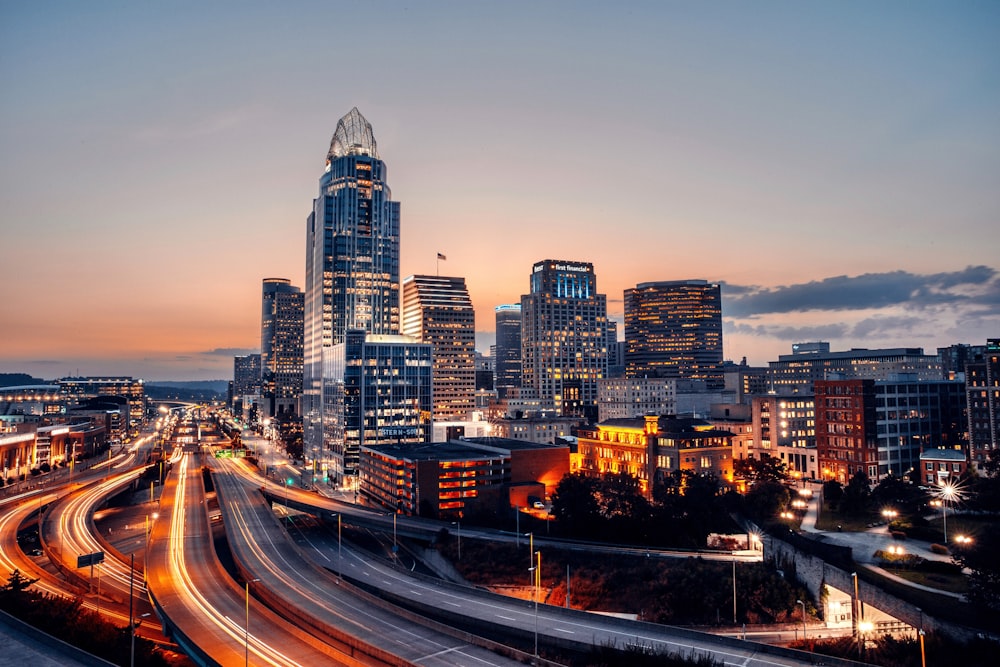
(245, 395)
(352, 268)
(564, 329)
(982, 388)
(914, 416)
(845, 429)
(376, 390)
(785, 429)
(625, 397)
(810, 362)
(507, 369)
(673, 329)
(80, 389)
(458, 479)
(438, 310)
(281, 347)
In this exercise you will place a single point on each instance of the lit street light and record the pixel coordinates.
(458, 524)
(803, 618)
(246, 628)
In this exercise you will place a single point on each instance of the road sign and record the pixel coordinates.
(84, 560)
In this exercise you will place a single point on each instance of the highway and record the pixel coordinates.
(498, 616)
(260, 545)
(213, 618)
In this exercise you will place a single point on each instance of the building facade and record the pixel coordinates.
(650, 448)
(451, 480)
(785, 427)
(982, 388)
(913, 417)
(438, 310)
(845, 429)
(673, 329)
(624, 397)
(564, 330)
(810, 362)
(352, 268)
(507, 369)
(281, 332)
(376, 390)
(80, 389)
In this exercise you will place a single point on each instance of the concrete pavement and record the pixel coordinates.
(865, 544)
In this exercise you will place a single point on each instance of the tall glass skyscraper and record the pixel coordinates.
(280, 347)
(507, 365)
(352, 261)
(438, 310)
(673, 329)
(564, 337)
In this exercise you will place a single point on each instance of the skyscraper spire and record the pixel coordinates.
(353, 136)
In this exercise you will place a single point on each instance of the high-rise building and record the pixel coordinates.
(438, 310)
(507, 368)
(673, 329)
(246, 386)
(363, 383)
(281, 326)
(982, 388)
(377, 391)
(564, 337)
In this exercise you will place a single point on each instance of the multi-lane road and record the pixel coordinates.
(288, 604)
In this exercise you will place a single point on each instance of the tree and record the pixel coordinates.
(574, 504)
(762, 470)
(900, 495)
(833, 491)
(857, 496)
(980, 556)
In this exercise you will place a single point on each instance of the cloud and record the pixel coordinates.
(230, 352)
(974, 285)
(784, 332)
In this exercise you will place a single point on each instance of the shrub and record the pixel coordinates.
(940, 567)
(939, 549)
(898, 535)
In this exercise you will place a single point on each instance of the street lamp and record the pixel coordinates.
(948, 494)
(459, 525)
(854, 605)
(535, 573)
(863, 629)
(803, 618)
(246, 628)
(340, 552)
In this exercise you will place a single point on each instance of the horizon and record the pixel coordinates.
(830, 166)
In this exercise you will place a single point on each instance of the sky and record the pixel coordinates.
(833, 165)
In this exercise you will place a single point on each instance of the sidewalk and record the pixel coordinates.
(865, 544)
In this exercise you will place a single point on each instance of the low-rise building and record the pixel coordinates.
(452, 479)
(651, 448)
(939, 465)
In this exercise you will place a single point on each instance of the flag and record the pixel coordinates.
(440, 256)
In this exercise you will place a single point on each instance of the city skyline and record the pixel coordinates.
(830, 166)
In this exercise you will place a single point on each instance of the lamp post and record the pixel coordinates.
(246, 628)
(459, 526)
(340, 552)
(534, 572)
(803, 618)
(948, 494)
(131, 618)
(854, 605)
(734, 590)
